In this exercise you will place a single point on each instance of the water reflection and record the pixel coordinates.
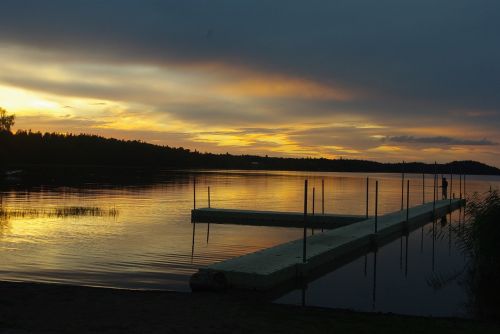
(150, 241)
(432, 285)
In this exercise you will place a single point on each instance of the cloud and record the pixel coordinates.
(288, 77)
(440, 140)
(443, 52)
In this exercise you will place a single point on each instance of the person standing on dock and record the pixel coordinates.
(444, 186)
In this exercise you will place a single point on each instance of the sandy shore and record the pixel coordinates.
(45, 308)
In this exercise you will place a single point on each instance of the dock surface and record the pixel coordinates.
(268, 268)
(271, 218)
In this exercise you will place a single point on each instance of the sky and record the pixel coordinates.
(379, 80)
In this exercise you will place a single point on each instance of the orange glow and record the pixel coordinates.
(275, 87)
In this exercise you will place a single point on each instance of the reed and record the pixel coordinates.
(59, 212)
(480, 238)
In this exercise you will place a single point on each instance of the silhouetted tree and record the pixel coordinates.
(6, 121)
(35, 148)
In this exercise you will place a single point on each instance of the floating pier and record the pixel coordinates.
(282, 264)
(271, 218)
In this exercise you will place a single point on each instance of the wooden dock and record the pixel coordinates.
(278, 265)
(271, 218)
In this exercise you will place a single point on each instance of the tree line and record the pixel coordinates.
(35, 148)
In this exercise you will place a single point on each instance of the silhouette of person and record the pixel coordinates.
(444, 186)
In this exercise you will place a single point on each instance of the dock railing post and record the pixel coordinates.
(322, 200)
(434, 190)
(465, 193)
(314, 201)
(376, 206)
(402, 184)
(423, 188)
(323, 196)
(460, 185)
(407, 200)
(313, 207)
(367, 189)
(208, 225)
(451, 187)
(194, 193)
(305, 223)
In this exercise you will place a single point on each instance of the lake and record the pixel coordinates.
(140, 236)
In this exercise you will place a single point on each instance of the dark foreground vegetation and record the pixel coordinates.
(481, 239)
(26, 148)
(41, 308)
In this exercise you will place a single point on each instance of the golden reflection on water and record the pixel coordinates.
(141, 236)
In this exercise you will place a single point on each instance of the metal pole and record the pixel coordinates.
(451, 187)
(434, 194)
(376, 206)
(465, 193)
(314, 200)
(367, 188)
(194, 193)
(313, 206)
(407, 200)
(322, 200)
(460, 186)
(305, 223)
(208, 225)
(423, 188)
(402, 184)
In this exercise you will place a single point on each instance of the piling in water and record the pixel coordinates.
(376, 206)
(209, 197)
(323, 196)
(304, 252)
(423, 188)
(367, 188)
(314, 201)
(402, 184)
(194, 193)
(407, 199)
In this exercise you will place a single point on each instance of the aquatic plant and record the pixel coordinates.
(480, 238)
(59, 212)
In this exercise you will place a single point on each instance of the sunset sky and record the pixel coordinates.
(379, 80)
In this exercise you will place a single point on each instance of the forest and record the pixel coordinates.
(26, 148)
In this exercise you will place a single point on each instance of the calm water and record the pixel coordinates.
(141, 236)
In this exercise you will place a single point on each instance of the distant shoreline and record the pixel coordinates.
(32, 151)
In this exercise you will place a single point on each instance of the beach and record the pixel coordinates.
(51, 308)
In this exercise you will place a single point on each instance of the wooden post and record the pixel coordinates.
(402, 184)
(209, 197)
(305, 223)
(376, 206)
(367, 189)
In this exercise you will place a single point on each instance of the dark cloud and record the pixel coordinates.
(422, 52)
(439, 140)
